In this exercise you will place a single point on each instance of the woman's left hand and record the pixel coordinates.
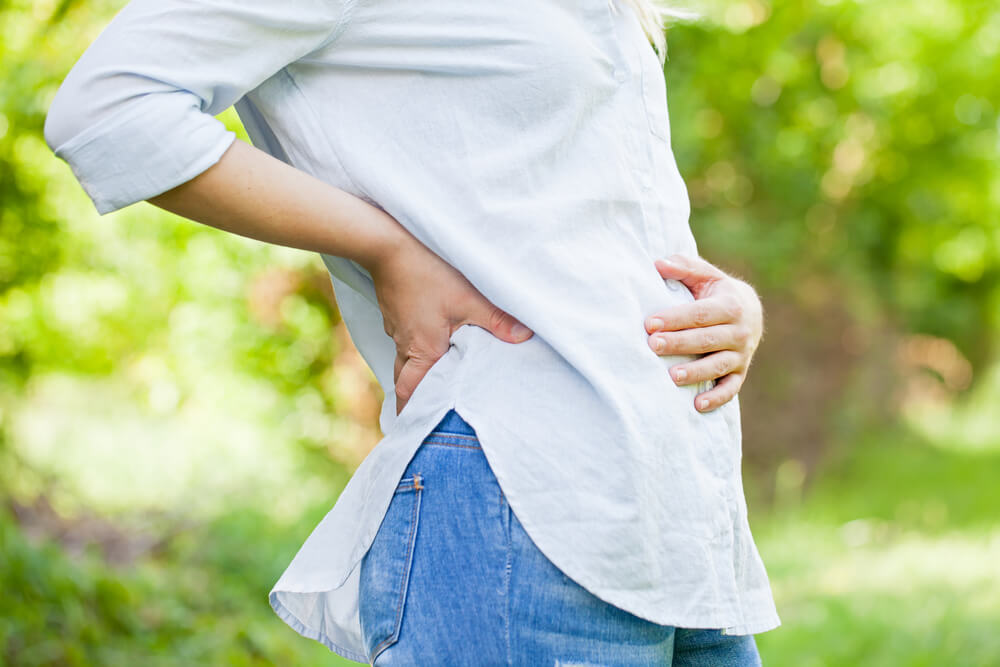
(724, 323)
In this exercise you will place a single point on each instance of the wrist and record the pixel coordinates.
(388, 241)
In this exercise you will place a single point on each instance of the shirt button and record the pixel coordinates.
(672, 284)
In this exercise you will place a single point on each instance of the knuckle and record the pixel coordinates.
(731, 313)
(731, 388)
(495, 317)
(742, 334)
(734, 308)
(739, 363)
(420, 354)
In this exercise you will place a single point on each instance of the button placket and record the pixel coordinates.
(635, 125)
(651, 81)
(621, 71)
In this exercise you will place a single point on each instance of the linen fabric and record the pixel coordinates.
(528, 144)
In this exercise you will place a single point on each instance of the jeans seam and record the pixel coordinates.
(449, 434)
(449, 444)
(404, 578)
(505, 510)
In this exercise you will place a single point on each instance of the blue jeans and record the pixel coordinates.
(453, 579)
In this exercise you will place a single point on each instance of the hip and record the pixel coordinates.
(453, 578)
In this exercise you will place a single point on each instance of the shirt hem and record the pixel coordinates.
(707, 620)
(754, 609)
(754, 627)
(295, 624)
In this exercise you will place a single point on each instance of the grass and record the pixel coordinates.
(893, 558)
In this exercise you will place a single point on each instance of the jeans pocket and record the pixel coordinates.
(385, 569)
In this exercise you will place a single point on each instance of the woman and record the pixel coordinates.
(492, 188)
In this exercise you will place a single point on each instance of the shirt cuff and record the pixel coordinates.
(148, 146)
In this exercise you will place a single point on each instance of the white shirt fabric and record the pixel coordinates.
(527, 143)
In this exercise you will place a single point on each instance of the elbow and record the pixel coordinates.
(86, 103)
(126, 143)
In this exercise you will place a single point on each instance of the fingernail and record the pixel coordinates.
(658, 344)
(680, 375)
(655, 324)
(670, 261)
(518, 330)
(703, 403)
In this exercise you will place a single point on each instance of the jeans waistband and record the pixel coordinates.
(453, 423)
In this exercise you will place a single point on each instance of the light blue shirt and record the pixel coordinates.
(527, 143)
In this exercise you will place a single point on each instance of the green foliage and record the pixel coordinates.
(187, 605)
(172, 408)
(854, 141)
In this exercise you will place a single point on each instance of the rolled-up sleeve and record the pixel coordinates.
(135, 116)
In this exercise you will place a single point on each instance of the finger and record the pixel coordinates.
(400, 360)
(696, 341)
(720, 394)
(410, 374)
(707, 368)
(701, 313)
(499, 323)
(687, 268)
(398, 366)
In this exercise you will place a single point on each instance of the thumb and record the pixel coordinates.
(501, 324)
(689, 270)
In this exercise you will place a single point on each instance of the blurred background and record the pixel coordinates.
(180, 406)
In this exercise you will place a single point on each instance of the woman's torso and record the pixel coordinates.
(527, 144)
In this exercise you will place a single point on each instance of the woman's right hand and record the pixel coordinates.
(423, 300)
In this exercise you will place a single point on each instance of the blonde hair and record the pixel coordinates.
(653, 17)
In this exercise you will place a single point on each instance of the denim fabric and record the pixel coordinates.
(452, 578)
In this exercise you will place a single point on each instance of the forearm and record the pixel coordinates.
(253, 194)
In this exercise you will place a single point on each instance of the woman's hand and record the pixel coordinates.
(423, 300)
(724, 323)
